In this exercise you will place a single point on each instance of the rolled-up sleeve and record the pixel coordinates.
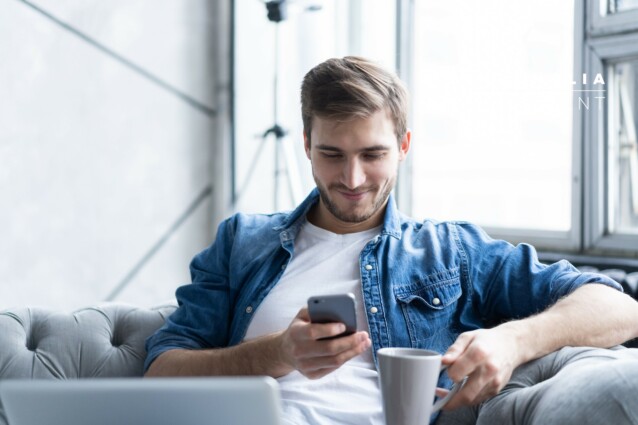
(202, 318)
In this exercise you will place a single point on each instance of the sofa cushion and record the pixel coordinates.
(102, 341)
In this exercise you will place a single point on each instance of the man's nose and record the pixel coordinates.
(353, 174)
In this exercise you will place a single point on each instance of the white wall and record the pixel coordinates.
(105, 140)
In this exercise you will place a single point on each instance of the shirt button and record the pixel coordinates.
(368, 267)
(436, 301)
(283, 267)
(373, 310)
(249, 309)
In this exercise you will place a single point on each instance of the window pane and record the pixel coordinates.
(623, 149)
(493, 113)
(622, 5)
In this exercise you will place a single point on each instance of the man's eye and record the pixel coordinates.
(373, 156)
(331, 155)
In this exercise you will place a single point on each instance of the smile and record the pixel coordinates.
(353, 196)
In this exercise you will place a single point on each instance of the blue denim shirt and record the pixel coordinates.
(427, 281)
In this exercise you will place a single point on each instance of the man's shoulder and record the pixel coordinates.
(460, 231)
(441, 226)
(241, 221)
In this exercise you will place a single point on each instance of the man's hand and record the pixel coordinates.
(593, 315)
(487, 357)
(303, 350)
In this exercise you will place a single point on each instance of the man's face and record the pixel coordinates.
(355, 166)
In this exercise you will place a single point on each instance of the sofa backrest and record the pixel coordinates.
(102, 341)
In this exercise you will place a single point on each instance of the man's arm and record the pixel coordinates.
(593, 315)
(261, 356)
(298, 347)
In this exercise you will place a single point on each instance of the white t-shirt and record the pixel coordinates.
(324, 263)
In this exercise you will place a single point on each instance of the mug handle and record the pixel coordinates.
(455, 389)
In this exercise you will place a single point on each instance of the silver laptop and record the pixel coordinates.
(136, 401)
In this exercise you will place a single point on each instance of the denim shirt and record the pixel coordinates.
(423, 283)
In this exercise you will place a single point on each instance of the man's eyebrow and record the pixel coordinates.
(374, 148)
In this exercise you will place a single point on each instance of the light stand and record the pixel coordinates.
(276, 13)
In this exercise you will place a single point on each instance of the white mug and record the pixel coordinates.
(408, 378)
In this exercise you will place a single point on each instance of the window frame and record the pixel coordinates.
(614, 23)
(404, 51)
(600, 51)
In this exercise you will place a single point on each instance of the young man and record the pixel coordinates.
(489, 306)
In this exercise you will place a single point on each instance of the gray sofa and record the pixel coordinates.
(102, 341)
(108, 341)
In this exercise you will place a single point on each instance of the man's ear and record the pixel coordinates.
(404, 146)
(306, 144)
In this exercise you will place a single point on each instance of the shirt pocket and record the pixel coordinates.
(429, 305)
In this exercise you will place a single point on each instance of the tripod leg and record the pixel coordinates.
(292, 173)
(251, 169)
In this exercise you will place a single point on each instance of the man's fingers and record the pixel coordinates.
(308, 350)
(475, 356)
(480, 385)
(487, 357)
(456, 349)
(305, 330)
(441, 392)
(466, 395)
(318, 331)
(301, 330)
(309, 365)
(303, 314)
(333, 347)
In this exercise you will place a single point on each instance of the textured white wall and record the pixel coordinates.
(98, 157)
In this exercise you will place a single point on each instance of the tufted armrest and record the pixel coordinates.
(102, 341)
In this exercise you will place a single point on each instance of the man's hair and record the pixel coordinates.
(352, 87)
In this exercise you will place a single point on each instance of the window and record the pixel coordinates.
(617, 6)
(611, 193)
(500, 140)
(493, 124)
(622, 163)
(611, 16)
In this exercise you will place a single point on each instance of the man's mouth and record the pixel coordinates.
(352, 196)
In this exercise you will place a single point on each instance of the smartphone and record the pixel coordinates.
(338, 308)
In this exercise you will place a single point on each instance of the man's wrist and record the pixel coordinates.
(522, 336)
(273, 361)
(277, 350)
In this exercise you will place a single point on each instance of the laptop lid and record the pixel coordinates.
(136, 401)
